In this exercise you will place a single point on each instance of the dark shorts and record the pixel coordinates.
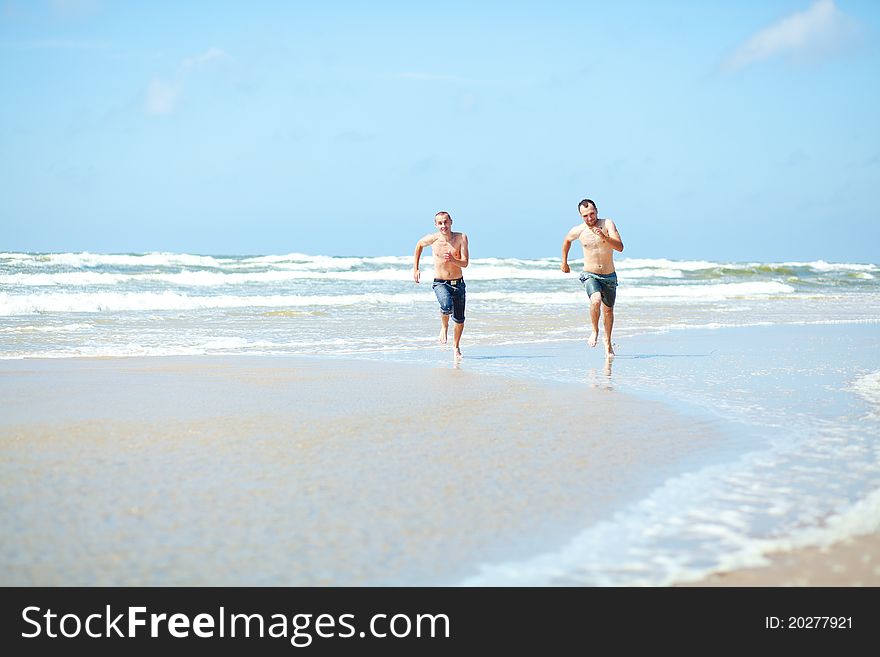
(451, 295)
(605, 284)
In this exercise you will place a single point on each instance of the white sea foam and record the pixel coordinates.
(535, 298)
(237, 344)
(821, 265)
(708, 292)
(518, 262)
(75, 279)
(306, 262)
(868, 388)
(303, 260)
(64, 328)
(489, 273)
(17, 257)
(681, 326)
(652, 273)
(128, 350)
(314, 263)
(854, 320)
(625, 550)
(697, 265)
(662, 263)
(16, 304)
(219, 279)
(86, 259)
(143, 301)
(210, 279)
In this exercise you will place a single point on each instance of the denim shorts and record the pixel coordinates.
(606, 284)
(451, 295)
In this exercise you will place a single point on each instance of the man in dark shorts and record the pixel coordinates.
(450, 252)
(600, 239)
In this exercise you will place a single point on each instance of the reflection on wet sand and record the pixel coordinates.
(603, 380)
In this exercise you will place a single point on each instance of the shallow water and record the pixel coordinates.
(799, 405)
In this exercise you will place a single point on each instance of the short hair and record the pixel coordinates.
(585, 202)
(445, 213)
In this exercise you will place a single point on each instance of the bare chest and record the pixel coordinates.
(451, 246)
(590, 240)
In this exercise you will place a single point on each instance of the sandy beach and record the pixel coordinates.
(852, 562)
(521, 465)
(295, 471)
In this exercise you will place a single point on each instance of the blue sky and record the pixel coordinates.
(707, 130)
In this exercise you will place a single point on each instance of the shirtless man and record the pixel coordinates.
(600, 239)
(450, 257)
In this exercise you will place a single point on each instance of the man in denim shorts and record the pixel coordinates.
(450, 252)
(600, 239)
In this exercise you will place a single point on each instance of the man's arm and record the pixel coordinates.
(465, 257)
(613, 237)
(427, 240)
(572, 235)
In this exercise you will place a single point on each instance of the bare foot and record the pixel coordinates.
(594, 337)
(609, 351)
(457, 353)
(442, 339)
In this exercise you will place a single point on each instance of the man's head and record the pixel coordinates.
(589, 212)
(443, 221)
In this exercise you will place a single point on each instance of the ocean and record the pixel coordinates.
(65, 305)
(796, 396)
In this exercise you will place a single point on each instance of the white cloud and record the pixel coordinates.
(819, 30)
(210, 55)
(161, 97)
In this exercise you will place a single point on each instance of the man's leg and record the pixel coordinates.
(458, 303)
(444, 327)
(457, 330)
(595, 301)
(609, 324)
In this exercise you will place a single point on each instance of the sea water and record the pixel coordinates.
(63, 305)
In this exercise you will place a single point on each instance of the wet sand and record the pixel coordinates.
(851, 562)
(251, 470)
(298, 471)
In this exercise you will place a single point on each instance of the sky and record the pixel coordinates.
(740, 131)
